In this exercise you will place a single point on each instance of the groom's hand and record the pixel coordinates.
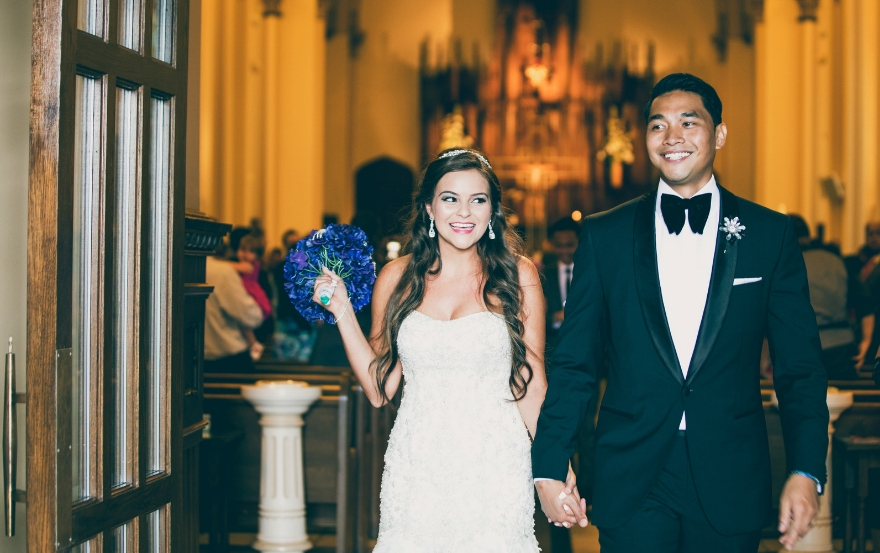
(561, 502)
(798, 506)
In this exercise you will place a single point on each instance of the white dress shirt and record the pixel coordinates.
(564, 278)
(684, 263)
(565, 272)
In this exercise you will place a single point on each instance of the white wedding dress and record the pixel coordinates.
(458, 476)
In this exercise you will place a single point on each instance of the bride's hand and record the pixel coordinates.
(561, 508)
(338, 298)
(571, 489)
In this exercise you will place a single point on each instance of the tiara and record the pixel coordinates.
(453, 153)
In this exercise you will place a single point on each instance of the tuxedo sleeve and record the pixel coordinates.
(798, 373)
(576, 363)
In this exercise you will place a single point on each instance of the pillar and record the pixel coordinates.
(778, 126)
(807, 183)
(262, 128)
(282, 513)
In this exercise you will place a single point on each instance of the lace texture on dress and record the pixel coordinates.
(458, 474)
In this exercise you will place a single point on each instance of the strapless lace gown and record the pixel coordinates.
(458, 476)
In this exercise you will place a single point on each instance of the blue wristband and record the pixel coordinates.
(819, 487)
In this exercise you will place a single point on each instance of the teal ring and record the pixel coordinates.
(325, 300)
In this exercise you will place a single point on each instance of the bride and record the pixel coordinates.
(460, 320)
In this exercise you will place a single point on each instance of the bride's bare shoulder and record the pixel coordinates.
(528, 273)
(390, 274)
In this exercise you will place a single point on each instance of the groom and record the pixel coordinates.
(678, 289)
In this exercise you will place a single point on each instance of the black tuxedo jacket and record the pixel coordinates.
(615, 308)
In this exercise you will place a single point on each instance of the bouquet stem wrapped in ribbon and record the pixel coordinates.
(345, 250)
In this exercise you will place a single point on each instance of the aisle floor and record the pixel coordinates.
(584, 540)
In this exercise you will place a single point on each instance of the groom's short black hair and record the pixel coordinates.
(688, 83)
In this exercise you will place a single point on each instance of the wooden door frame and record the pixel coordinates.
(53, 81)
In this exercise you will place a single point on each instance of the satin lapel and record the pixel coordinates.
(648, 285)
(723, 269)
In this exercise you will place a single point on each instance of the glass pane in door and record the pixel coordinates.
(131, 24)
(92, 17)
(163, 30)
(126, 308)
(158, 381)
(125, 537)
(94, 545)
(158, 532)
(88, 284)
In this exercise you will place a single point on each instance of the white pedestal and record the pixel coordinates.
(818, 539)
(282, 514)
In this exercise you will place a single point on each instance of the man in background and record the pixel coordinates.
(559, 264)
(827, 278)
(861, 284)
(563, 236)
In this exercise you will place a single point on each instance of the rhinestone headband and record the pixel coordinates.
(453, 153)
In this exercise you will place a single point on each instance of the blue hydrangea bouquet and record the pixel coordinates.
(345, 250)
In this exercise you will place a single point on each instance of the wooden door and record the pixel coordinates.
(105, 244)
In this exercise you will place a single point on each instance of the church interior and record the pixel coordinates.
(303, 113)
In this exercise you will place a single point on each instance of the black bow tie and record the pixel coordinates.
(673, 208)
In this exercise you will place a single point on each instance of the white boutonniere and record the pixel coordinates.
(733, 228)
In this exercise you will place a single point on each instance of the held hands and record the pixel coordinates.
(561, 501)
(798, 507)
(337, 301)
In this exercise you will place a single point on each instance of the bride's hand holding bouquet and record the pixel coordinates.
(331, 293)
(330, 273)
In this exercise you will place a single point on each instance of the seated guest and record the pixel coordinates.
(228, 310)
(827, 279)
(861, 264)
(248, 266)
(861, 303)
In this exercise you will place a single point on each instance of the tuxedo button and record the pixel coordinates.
(686, 391)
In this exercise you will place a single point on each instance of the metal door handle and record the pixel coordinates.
(10, 443)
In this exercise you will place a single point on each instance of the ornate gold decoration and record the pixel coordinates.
(452, 131)
(618, 142)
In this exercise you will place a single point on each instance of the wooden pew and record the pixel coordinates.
(863, 418)
(330, 455)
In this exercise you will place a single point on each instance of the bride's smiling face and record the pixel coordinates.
(461, 208)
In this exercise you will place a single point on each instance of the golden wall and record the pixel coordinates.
(262, 114)
(817, 118)
(293, 105)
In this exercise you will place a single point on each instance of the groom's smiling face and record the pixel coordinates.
(682, 140)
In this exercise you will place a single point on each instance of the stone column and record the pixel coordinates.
(818, 539)
(282, 520)
(808, 182)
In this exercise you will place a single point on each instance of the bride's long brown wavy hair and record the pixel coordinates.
(501, 288)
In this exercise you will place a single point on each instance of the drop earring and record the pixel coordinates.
(431, 232)
(491, 232)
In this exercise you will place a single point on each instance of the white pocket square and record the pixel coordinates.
(738, 281)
